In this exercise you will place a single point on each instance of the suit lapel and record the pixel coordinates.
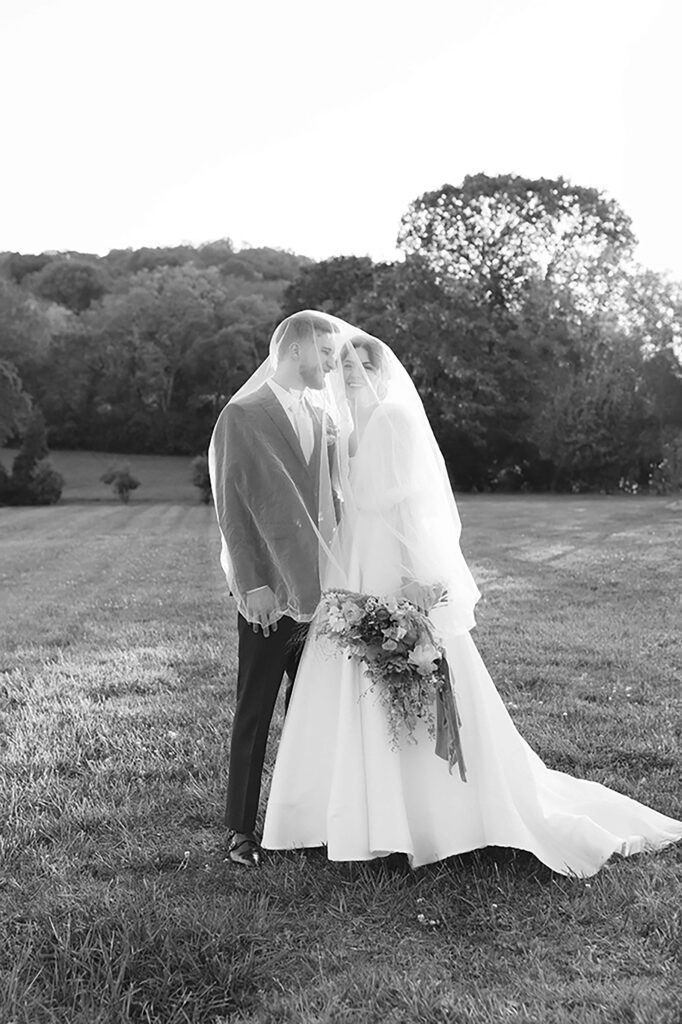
(273, 407)
(317, 417)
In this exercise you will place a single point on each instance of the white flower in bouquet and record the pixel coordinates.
(395, 632)
(352, 614)
(335, 620)
(424, 658)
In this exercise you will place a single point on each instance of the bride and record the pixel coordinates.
(340, 779)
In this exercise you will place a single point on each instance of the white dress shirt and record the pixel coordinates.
(297, 409)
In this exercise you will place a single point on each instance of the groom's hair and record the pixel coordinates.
(302, 328)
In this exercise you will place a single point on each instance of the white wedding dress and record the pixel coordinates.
(337, 782)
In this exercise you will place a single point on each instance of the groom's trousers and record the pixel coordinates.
(263, 662)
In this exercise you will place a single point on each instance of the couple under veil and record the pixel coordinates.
(340, 543)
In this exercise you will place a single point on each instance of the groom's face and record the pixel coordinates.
(317, 358)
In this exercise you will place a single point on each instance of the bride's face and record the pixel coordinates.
(359, 374)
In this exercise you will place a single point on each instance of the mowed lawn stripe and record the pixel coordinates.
(58, 562)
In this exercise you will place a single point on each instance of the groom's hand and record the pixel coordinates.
(260, 607)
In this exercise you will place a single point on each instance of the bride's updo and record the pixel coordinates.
(372, 347)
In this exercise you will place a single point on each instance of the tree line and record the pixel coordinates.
(136, 351)
(547, 358)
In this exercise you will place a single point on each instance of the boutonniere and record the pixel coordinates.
(331, 431)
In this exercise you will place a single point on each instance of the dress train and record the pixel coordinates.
(337, 781)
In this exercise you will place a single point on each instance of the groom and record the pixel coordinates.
(268, 462)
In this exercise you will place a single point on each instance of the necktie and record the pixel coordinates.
(303, 423)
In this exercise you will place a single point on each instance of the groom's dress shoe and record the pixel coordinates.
(243, 848)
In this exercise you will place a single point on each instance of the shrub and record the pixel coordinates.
(46, 484)
(34, 481)
(5, 486)
(201, 477)
(33, 450)
(665, 477)
(122, 481)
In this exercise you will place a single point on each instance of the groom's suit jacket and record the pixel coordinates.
(267, 497)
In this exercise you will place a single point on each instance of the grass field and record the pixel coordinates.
(116, 685)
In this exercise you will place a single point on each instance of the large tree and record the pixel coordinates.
(20, 265)
(144, 336)
(597, 424)
(223, 360)
(476, 376)
(163, 355)
(15, 405)
(499, 234)
(24, 334)
(330, 285)
(24, 331)
(74, 283)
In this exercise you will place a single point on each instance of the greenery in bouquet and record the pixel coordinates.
(399, 648)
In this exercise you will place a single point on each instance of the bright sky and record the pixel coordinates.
(310, 125)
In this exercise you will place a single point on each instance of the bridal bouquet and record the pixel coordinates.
(404, 660)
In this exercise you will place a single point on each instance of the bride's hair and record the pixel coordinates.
(371, 345)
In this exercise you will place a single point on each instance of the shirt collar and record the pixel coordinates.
(289, 399)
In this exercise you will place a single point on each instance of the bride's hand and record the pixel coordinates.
(423, 596)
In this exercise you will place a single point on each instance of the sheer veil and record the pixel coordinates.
(377, 469)
(276, 504)
(395, 487)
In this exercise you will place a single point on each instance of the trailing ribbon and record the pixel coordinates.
(448, 743)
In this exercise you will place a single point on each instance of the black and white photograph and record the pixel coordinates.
(340, 512)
